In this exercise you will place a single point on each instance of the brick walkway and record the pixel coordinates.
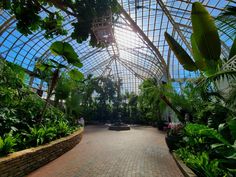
(140, 152)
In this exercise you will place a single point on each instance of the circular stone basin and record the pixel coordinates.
(119, 127)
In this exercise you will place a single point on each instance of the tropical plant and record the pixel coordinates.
(11, 75)
(7, 143)
(19, 108)
(157, 95)
(41, 135)
(66, 51)
(200, 139)
(63, 128)
(202, 165)
(63, 88)
(8, 120)
(206, 46)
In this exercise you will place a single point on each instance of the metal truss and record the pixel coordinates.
(139, 51)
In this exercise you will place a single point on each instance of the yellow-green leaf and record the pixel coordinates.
(65, 50)
(76, 74)
(199, 60)
(205, 32)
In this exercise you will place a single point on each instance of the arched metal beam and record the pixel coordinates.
(136, 28)
(176, 27)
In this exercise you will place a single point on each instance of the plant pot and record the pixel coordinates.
(172, 142)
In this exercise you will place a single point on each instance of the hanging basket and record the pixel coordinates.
(103, 30)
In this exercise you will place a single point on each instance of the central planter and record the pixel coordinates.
(119, 127)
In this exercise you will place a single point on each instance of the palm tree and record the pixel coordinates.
(154, 94)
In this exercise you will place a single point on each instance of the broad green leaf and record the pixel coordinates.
(233, 49)
(65, 50)
(44, 66)
(40, 66)
(183, 57)
(203, 130)
(76, 75)
(205, 32)
(199, 60)
(57, 48)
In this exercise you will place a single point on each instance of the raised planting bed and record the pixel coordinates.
(23, 162)
(187, 172)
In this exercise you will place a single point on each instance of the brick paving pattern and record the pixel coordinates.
(140, 152)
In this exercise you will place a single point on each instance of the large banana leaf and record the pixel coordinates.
(205, 32)
(183, 57)
(76, 74)
(199, 60)
(233, 49)
(66, 50)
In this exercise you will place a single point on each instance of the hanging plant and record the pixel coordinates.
(30, 18)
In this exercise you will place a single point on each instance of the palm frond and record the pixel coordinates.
(226, 22)
(225, 75)
(231, 98)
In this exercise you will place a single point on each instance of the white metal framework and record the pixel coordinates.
(135, 47)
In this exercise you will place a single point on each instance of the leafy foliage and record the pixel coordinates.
(53, 68)
(180, 53)
(206, 46)
(205, 33)
(7, 143)
(203, 146)
(19, 111)
(65, 50)
(30, 19)
(201, 163)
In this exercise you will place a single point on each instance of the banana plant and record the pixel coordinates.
(66, 51)
(206, 45)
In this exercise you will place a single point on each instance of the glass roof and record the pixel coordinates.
(139, 51)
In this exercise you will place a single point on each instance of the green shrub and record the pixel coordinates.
(207, 152)
(201, 164)
(40, 135)
(8, 120)
(7, 144)
(63, 128)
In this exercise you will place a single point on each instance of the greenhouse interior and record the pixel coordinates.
(118, 88)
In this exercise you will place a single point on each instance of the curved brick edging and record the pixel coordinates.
(187, 172)
(23, 162)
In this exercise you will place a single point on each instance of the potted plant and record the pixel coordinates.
(174, 136)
